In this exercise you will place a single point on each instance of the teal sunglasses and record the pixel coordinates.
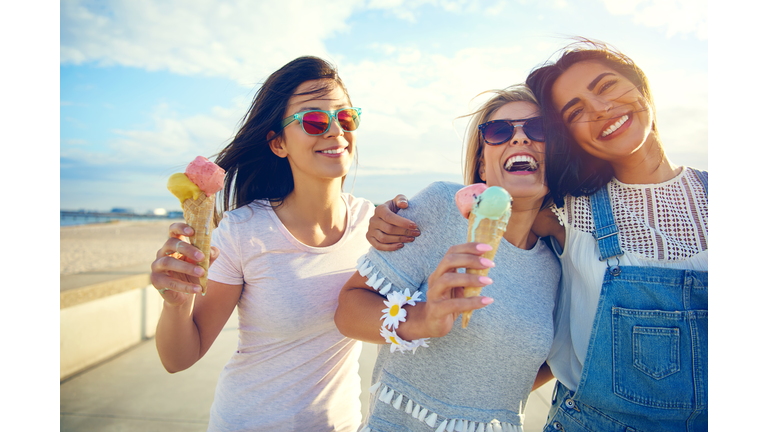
(317, 122)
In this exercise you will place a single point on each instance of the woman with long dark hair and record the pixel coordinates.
(630, 349)
(286, 242)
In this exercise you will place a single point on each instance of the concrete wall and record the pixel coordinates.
(100, 321)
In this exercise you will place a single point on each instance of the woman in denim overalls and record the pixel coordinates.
(630, 349)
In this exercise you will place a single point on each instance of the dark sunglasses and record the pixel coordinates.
(497, 132)
(317, 122)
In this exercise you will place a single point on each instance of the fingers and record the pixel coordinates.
(442, 287)
(179, 229)
(383, 241)
(387, 214)
(467, 255)
(180, 248)
(175, 268)
(389, 247)
(456, 306)
(164, 282)
(388, 231)
(400, 202)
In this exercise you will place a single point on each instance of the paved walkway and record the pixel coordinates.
(132, 392)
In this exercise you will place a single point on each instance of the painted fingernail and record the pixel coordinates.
(486, 262)
(485, 280)
(199, 255)
(482, 247)
(197, 290)
(486, 300)
(409, 239)
(199, 271)
(188, 231)
(399, 245)
(415, 232)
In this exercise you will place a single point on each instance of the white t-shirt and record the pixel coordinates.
(292, 370)
(660, 225)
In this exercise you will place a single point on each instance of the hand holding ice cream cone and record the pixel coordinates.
(444, 300)
(175, 271)
(488, 210)
(196, 190)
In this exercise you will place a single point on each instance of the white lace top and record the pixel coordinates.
(660, 225)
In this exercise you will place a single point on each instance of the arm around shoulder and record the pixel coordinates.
(548, 224)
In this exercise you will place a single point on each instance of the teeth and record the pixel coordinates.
(616, 125)
(334, 151)
(521, 158)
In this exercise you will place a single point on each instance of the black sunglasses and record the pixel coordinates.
(497, 132)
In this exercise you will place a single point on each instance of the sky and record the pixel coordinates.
(145, 86)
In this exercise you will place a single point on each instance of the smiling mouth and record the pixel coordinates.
(611, 129)
(334, 151)
(521, 163)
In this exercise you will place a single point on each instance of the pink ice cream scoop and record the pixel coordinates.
(208, 176)
(465, 197)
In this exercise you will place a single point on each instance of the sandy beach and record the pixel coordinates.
(102, 246)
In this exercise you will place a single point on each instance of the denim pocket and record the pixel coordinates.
(656, 350)
(649, 368)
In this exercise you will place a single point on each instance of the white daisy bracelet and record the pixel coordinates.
(394, 314)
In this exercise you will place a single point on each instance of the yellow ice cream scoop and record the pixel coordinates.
(182, 188)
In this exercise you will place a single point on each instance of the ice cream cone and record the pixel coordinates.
(199, 215)
(490, 232)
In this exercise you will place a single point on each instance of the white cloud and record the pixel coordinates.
(242, 40)
(170, 139)
(406, 9)
(410, 95)
(678, 16)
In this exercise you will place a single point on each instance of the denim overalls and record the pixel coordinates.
(646, 366)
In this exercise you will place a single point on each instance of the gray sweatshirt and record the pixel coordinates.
(480, 376)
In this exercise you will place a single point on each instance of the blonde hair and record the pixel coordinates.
(474, 143)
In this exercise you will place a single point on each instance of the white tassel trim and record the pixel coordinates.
(416, 411)
(367, 269)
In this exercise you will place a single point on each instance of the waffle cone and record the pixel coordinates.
(490, 232)
(199, 215)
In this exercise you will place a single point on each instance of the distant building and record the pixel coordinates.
(121, 210)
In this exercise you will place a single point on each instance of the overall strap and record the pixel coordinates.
(606, 232)
(704, 177)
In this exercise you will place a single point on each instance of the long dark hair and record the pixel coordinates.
(570, 169)
(253, 171)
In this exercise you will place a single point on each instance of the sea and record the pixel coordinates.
(69, 218)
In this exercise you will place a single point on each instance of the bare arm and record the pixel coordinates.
(189, 322)
(547, 224)
(543, 377)
(386, 230)
(360, 307)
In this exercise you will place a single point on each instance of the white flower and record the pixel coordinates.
(411, 300)
(417, 343)
(392, 338)
(394, 313)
